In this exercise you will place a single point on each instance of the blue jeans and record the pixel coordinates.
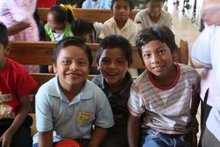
(152, 138)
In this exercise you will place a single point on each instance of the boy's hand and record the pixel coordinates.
(6, 139)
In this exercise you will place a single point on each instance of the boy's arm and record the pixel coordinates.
(45, 139)
(18, 120)
(97, 136)
(133, 131)
(195, 101)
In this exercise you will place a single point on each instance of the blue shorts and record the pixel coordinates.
(152, 138)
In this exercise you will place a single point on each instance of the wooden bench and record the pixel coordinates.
(39, 53)
(92, 15)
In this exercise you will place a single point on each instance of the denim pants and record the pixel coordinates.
(152, 138)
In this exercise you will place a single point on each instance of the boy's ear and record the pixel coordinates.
(98, 67)
(8, 49)
(54, 68)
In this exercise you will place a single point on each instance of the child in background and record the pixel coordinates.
(120, 23)
(84, 30)
(69, 104)
(58, 23)
(96, 4)
(153, 15)
(114, 56)
(163, 95)
(58, 26)
(15, 85)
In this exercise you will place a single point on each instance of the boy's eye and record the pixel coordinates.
(120, 62)
(161, 51)
(146, 55)
(104, 61)
(67, 62)
(82, 63)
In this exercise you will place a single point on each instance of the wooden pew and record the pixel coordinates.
(92, 15)
(39, 53)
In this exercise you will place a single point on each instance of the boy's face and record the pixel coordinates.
(3, 52)
(113, 66)
(72, 67)
(155, 8)
(121, 10)
(157, 58)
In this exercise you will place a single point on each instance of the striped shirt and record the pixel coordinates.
(166, 110)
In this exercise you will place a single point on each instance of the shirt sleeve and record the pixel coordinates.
(25, 83)
(135, 102)
(200, 50)
(43, 111)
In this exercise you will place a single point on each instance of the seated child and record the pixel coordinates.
(96, 4)
(153, 15)
(114, 56)
(58, 27)
(84, 30)
(163, 95)
(69, 104)
(120, 23)
(15, 86)
(58, 23)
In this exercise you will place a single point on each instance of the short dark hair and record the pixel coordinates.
(161, 33)
(147, 1)
(3, 35)
(115, 41)
(69, 41)
(81, 26)
(130, 2)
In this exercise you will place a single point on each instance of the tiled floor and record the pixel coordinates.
(182, 25)
(184, 29)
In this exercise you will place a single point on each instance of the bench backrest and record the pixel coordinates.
(92, 15)
(39, 53)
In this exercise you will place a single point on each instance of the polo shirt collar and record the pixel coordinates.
(55, 90)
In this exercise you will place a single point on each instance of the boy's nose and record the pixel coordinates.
(73, 66)
(112, 65)
(155, 58)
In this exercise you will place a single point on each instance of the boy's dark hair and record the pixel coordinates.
(3, 35)
(80, 27)
(115, 41)
(130, 2)
(161, 33)
(147, 1)
(61, 14)
(71, 41)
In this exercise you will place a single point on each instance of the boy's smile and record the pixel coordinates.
(113, 66)
(157, 58)
(72, 67)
